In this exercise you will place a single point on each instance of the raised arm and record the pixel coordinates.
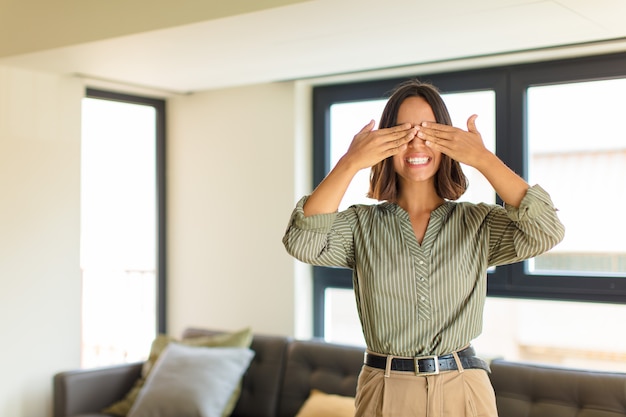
(467, 147)
(368, 147)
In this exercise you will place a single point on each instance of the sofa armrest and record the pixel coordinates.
(90, 390)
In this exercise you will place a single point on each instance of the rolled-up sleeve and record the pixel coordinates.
(518, 233)
(321, 239)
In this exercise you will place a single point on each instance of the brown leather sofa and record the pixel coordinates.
(284, 371)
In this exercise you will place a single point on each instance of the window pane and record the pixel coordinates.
(341, 318)
(577, 151)
(118, 231)
(346, 119)
(550, 332)
(461, 106)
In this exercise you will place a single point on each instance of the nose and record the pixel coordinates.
(413, 141)
(417, 143)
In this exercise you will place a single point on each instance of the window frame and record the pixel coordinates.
(159, 106)
(510, 83)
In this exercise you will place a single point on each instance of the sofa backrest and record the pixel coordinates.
(261, 385)
(313, 364)
(539, 390)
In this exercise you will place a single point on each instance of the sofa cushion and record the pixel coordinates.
(540, 390)
(314, 364)
(190, 381)
(320, 404)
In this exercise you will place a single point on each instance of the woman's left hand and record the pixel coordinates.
(466, 147)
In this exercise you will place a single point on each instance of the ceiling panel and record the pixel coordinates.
(325, 37)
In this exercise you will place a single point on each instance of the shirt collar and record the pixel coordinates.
(441, 211)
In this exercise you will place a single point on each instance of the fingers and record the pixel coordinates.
(397, 146)
(440, 137)
(471, 124)
(396, 139)
(436, 126)
(431, 130)
(370, 146)
(368, 127)
(388, 134)
(430, 134)
(465, 146)
(397, 135)
(399, 128)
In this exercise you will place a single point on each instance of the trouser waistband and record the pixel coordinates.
(428, 365)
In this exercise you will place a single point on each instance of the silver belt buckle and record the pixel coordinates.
(435, 359)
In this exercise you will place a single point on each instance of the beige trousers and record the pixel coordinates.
(465, 393)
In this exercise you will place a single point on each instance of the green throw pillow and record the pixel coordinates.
(241, 338)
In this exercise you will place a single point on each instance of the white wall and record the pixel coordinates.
(39, 236)
(231, 191)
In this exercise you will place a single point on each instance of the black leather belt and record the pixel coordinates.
(429, 365)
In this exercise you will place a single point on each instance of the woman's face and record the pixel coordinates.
(418, 162)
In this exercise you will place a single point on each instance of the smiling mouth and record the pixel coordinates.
(418, 161)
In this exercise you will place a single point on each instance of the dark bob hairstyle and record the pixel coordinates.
(450, 181)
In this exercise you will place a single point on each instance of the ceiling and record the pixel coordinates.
(326, 37)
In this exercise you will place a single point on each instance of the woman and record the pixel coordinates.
(419, 259)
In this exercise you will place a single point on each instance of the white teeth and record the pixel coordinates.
(417, 161)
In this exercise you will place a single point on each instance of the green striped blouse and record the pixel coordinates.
(423, 299)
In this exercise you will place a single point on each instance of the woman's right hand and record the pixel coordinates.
(370, 146)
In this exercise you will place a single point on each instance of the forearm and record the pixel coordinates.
(328, 194)
(324, 240)
(526, 231)
(510, 187)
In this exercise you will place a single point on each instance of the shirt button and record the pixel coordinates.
(421, 262)
(422, 298)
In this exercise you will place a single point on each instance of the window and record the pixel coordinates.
(583, 171)
(122, 225)
(557, 123)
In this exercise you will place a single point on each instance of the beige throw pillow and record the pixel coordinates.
(320, 404)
